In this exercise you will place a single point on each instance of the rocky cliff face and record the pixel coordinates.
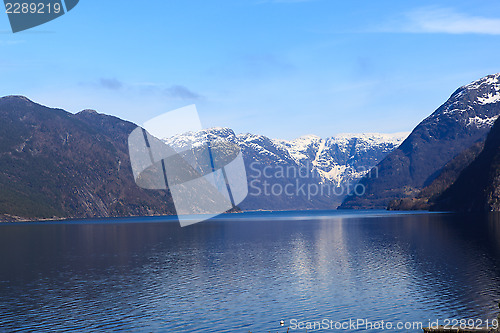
(478, 186)
(426, 198)
(54, 164)
(465, 118)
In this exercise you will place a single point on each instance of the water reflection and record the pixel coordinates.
(232, 275)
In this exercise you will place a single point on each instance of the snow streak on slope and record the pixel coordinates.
(341, 158)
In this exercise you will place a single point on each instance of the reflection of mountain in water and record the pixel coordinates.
(247, 272)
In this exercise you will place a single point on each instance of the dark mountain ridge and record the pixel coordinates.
(465, 118)
(477, 188)
(426, 198)
(54, 164)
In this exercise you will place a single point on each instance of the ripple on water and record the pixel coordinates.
(246, 275)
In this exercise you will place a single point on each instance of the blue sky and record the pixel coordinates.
(282, 68)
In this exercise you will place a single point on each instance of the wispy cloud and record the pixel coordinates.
(176, 91)
(263, 64)
(11, 42)
(443, 20)
(112, 84)
(181, 92)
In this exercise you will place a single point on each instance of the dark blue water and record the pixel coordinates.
(247, 272)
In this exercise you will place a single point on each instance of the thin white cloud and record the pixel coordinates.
(444, 20)
(181, 92)
(11, 42)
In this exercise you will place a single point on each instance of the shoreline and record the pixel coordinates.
(308, 213)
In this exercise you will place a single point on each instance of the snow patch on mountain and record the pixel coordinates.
(481, 122)
(343, 157)
(490, 98)
(486, 89)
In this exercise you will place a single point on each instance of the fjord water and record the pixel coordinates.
(246, 272)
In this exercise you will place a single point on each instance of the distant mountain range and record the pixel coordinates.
(462, 121)
(306, 163)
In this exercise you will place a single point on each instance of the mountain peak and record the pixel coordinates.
(492, 79)
(16, 98)
(308, 137)
(220, 131)
(484, 91)
(399, 136)
(88, 112)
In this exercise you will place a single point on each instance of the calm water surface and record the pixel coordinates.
(246, 272)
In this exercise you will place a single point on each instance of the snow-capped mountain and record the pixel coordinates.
(342, 157)
(336, 159)
(481, 94)
(465, 118)
(308, 160)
